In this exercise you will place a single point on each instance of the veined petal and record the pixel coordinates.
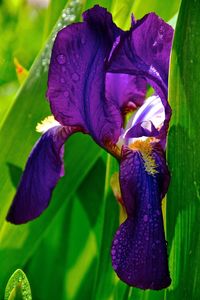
(76, 82)
(145, 51)
(128, 91)
(152, 110)
(147, 120)
(43, 169)
(139, 252)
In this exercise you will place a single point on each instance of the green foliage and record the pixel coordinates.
(184, 193)
(66, 251)
(18, 287)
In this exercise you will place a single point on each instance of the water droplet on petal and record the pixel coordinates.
(62, 80)
(83, 41)
(63, 68)
(75, 77)
(115, 242)
(113, 251)
(145, 218)
(66, 94)
(61, 59)
(161, 30)
(115, 267)
(158, 212)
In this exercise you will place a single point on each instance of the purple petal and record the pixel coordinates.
(145, 122)
(145, 128)
(139, 252)
(43, 169)
(125, 90)
(152, 110)
(145, 51)
(76, 82)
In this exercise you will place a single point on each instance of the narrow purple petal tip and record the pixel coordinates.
(43, 170)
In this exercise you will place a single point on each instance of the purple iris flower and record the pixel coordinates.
(97, 73)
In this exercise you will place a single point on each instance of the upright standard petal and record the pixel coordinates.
(128, 91)
(139, 252)
(43, 169)
(76, 82)
(145, 51)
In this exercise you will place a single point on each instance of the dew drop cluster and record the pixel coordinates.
(68, 16)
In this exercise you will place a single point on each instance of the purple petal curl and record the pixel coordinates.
(139, 251)
(127, 91)
(76, 81)
(147, 120)
(145, 51)
(42, 172)
(145, 128)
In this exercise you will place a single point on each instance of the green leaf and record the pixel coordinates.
(109, 225)
(183, 200)
(53, 14)
(18, 287)
(165, 9)
(7, 92)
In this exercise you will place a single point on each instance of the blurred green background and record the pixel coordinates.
(65, 253)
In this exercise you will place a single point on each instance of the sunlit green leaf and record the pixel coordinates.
(184, 195)
(66, 251)
(165, 9)
(18, 287)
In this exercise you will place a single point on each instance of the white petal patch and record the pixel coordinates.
(151, 111)
(46, 124)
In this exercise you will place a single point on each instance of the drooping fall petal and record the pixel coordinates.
(139, 252)
(43, 170)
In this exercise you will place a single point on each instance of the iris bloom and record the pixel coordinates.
(97, 73)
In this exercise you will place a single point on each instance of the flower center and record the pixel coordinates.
(145, 148)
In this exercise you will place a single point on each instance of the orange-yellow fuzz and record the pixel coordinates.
(145, 148)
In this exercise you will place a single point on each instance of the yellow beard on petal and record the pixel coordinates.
(145, 148)
(46, 124)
